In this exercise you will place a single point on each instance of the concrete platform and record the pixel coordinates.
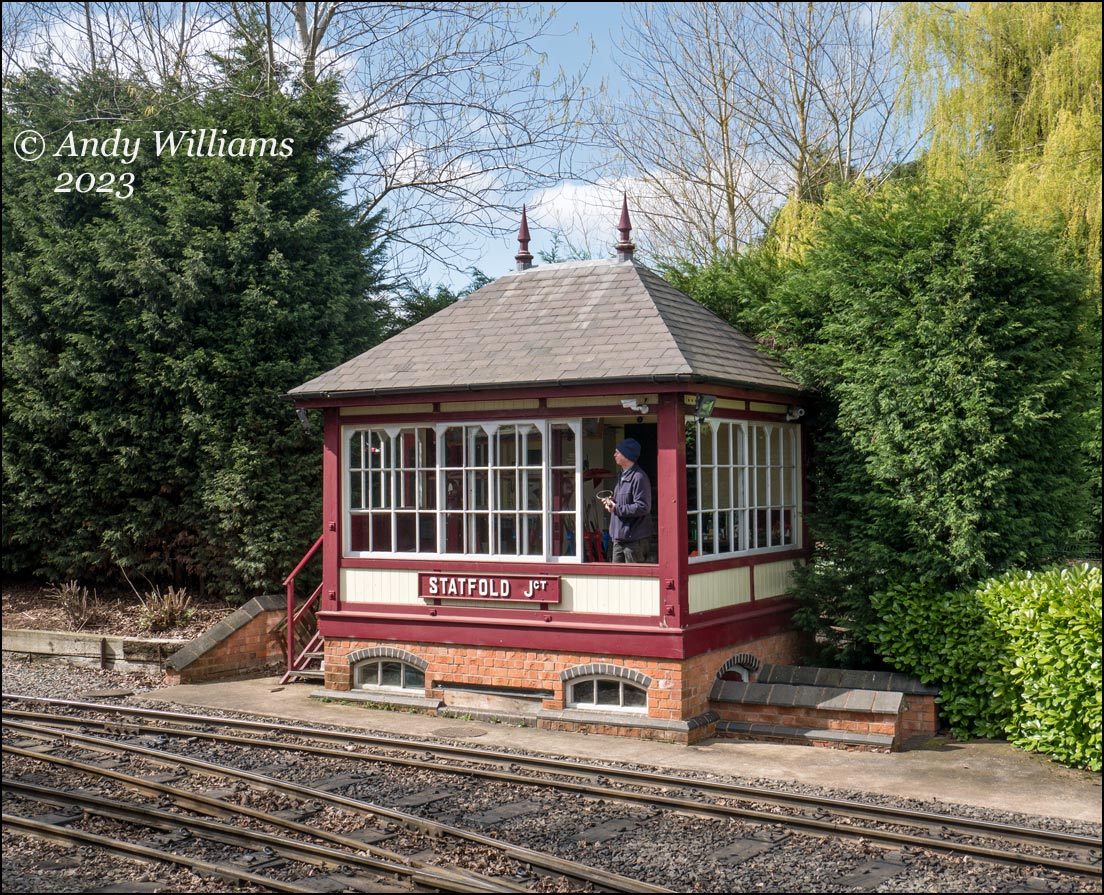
(984, 773)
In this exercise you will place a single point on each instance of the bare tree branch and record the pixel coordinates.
(728, 109)
(451, 102)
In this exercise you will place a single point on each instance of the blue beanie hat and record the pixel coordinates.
(629, 449)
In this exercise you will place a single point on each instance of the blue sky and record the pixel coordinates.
(578, 25)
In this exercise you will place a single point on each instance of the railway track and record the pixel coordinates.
(774, 816)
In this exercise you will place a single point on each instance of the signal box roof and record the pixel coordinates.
(574, 323)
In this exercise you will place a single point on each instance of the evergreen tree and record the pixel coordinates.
(944, 338)
(1011, 94)
(147, 340)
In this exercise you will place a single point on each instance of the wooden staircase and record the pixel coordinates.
(303, 644)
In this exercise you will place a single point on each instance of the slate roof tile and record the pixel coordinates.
(573, 322)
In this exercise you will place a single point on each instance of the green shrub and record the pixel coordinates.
(1051, 622)
(1016, 656)
(947, 638)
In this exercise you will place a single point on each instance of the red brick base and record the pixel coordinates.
(678, 692)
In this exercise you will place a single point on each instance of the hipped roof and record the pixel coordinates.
(560, 324)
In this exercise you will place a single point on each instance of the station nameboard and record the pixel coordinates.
(523, 588)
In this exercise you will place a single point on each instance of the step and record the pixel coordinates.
(315, 674)
(803, 696)
(836, 739)
(844, 679)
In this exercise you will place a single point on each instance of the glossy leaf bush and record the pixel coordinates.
(1018, 656)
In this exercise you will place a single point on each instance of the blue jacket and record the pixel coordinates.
(632, 495)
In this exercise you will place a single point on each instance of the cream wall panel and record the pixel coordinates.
(578, 593)
(714, 590)
(767, 408)
(599, 401)
(773, 579)
(522, 404)
(380, 586)
(610, 595)
(386, 408)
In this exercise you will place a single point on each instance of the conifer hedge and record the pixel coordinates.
(147, 339)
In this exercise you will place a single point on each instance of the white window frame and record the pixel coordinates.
(745, 498)
(601, 707)
(379, 661)
(468, 475)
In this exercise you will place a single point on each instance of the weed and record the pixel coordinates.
(163, 610)
(81, 609)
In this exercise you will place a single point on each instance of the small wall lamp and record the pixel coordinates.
(793, 413)
(636, 405)
(704, 406)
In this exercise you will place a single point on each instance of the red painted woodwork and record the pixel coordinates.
(518, 392)
(671, 512)
(755, 559)
(494, 567)
(556, 631)
(331, 508)
(672, 633)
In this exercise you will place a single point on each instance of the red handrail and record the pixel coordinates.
(289, 583)
(304, 561)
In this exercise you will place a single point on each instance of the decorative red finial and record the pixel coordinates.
(523, 258)
(624, 228)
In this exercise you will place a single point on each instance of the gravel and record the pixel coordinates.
(680, 852)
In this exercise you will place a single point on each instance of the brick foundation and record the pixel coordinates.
(678, 689)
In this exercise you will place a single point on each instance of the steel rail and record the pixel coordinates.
(444, 878)
(52, 833)
(943, 822)
(815, 825)
(613, 881)
(302, 852)
(200, 803)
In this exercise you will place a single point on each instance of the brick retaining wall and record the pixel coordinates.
(244, 641)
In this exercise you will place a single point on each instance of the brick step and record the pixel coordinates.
(825, 714)
(781, 733)
(803, 698)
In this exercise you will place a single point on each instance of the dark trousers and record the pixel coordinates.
(631, 551)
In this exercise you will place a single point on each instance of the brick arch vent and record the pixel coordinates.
(386, 652)
(599, 669)
(743, 660)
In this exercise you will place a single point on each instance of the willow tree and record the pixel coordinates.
(1012, 91)
(1011, 94)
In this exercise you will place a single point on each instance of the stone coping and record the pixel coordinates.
(799, 696)
(844, 679)
(626, 719)
(213, 636)
(376, 697)
(780, 731)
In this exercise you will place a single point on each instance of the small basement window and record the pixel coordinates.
(389, 674)
(607, 693)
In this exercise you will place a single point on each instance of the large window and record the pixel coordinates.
(499, 489)
(742, 486)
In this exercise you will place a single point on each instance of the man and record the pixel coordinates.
(630, 508)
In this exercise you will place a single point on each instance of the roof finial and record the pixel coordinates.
(624, 227)
(523, 258)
